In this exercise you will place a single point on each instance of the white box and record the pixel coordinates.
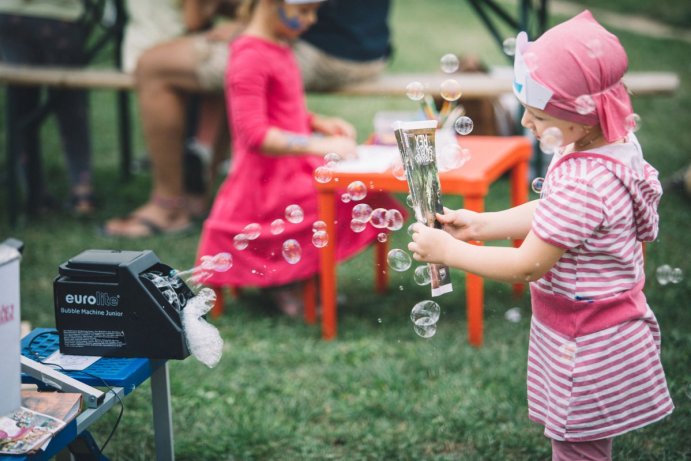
(10, 370)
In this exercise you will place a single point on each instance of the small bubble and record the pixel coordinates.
(362, 212)
(394, 219)
(537, 184)
(319, 226)
(345, 197)
(425, 331)
(449, 63)
(632, 122)
(323, 174)
(513, 315)
(551, 140)
(509, 46)
(399, 260)
(410, 229)
(222, 262)
(451, 157)
(240, 241)
(357, 225)
(357, 190)
(378, 218)
(382, 237)
(320, 239)
(379, 320)
(277, 226)
(663, 274)
(463, 125)
(409, 201)
(676, 275)
(415, 91)
(292, 251)
(421, 275)
(398, 171)
(425, 312)
(585, 104)
(331, 159)
(294, 214)
(450, 90)
(252, 231)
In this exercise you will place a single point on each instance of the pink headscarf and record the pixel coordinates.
(577, 58)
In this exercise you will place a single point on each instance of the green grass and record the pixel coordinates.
(378, 391)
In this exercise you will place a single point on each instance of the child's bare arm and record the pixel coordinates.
(527, 263)
(279, 142)
(510, 224)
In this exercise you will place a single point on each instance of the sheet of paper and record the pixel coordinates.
(70, 362)
(370, 159)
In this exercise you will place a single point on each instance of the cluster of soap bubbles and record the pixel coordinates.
(667, 274)
(425, 316)
(379, 218)
(324, 173)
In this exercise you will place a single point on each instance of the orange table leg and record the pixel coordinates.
(519, 195)
(474, 286)
(309, 295)
(235, 292)
(380, 266)
(218, 307)
(327, 270)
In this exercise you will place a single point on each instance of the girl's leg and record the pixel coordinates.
(595, 450)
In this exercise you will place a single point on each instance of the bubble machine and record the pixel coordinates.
(115, 303)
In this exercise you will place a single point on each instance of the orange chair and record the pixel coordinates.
(491, 157)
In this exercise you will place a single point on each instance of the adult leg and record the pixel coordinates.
(165, 75)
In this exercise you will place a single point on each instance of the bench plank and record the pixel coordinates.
(65, 77)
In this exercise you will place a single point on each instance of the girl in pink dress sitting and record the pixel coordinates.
(277, 145)
(594, 369)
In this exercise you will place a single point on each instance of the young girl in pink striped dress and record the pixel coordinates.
(594, 368)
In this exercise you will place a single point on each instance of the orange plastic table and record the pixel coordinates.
(491, 157)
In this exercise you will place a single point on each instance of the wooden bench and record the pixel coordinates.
(474, 86)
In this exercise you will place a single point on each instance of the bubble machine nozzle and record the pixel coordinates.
(115, 303)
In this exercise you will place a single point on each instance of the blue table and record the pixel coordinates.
(122, 375)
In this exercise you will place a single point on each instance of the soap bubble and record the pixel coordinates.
(585, 104)
(320, 239)
(331, 159)
(222, 262)
(399, 260)
(409, 201)
(632, 122)
(663, 274)
(676, 275)
(357, 190)
(449, 63)
(294, 214)
(451, 157)
(357, 225)
(378, 218)
(463, 125)
(594, 47)
(323, 174)
(415, 91)
(318, 226)
(509, 46)
(240, 241)
(362, 212)
(277, 226)
(207, 262)
(398, 171)
(410, 229)
(425, 331)
(394, 219)
(537, 184)
(513, 315)
(345, 197)
(421, 275)
(450, 90)
(382, 237)
(252, 231)
(292, 251)
(530, 60)
(425, 313)
(551, 140)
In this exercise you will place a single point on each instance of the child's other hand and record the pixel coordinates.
(429, 244)
(460, 223)
(333, 126)
(342, 145)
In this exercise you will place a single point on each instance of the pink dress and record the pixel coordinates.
(594, 367)
(264, 89)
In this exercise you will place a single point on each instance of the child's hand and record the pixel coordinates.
(460, 223)
(333, 126)
(342, 145)
(430, 244)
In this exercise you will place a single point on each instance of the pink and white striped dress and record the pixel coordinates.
(594, 366)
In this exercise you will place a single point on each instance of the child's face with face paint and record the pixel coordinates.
(296, 18)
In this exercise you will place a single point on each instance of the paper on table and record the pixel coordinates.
(370, 159)
(70, 362)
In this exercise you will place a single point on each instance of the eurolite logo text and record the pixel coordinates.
(98, 299)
